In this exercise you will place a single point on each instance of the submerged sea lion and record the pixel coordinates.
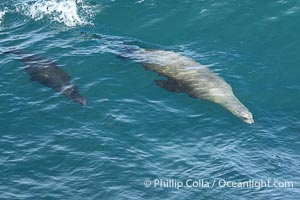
(186, 75)
(49, 74)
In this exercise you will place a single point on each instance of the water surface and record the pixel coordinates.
(133, 131)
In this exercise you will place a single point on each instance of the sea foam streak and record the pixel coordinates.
(69, 12)
(2, 13)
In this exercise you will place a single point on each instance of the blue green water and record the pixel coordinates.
(132, 131)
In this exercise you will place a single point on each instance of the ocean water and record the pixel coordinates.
(135, 140)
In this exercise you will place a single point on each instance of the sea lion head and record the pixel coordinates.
(243, 113)
(247, 117)
(72, 93)
(233, 105)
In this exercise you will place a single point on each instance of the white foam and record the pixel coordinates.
(68, 12)
(2, 13)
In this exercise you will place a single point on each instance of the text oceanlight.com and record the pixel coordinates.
(217, 183)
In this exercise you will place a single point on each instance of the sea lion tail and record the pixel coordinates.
(122, 40)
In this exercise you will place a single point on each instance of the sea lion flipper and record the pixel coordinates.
(169, 85)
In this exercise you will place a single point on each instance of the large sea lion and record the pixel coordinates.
(48, 73)
(186, 75)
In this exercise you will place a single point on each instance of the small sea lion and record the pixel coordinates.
(48, 73)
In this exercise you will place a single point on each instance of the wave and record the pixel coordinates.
(2, 13)
(68, 12)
